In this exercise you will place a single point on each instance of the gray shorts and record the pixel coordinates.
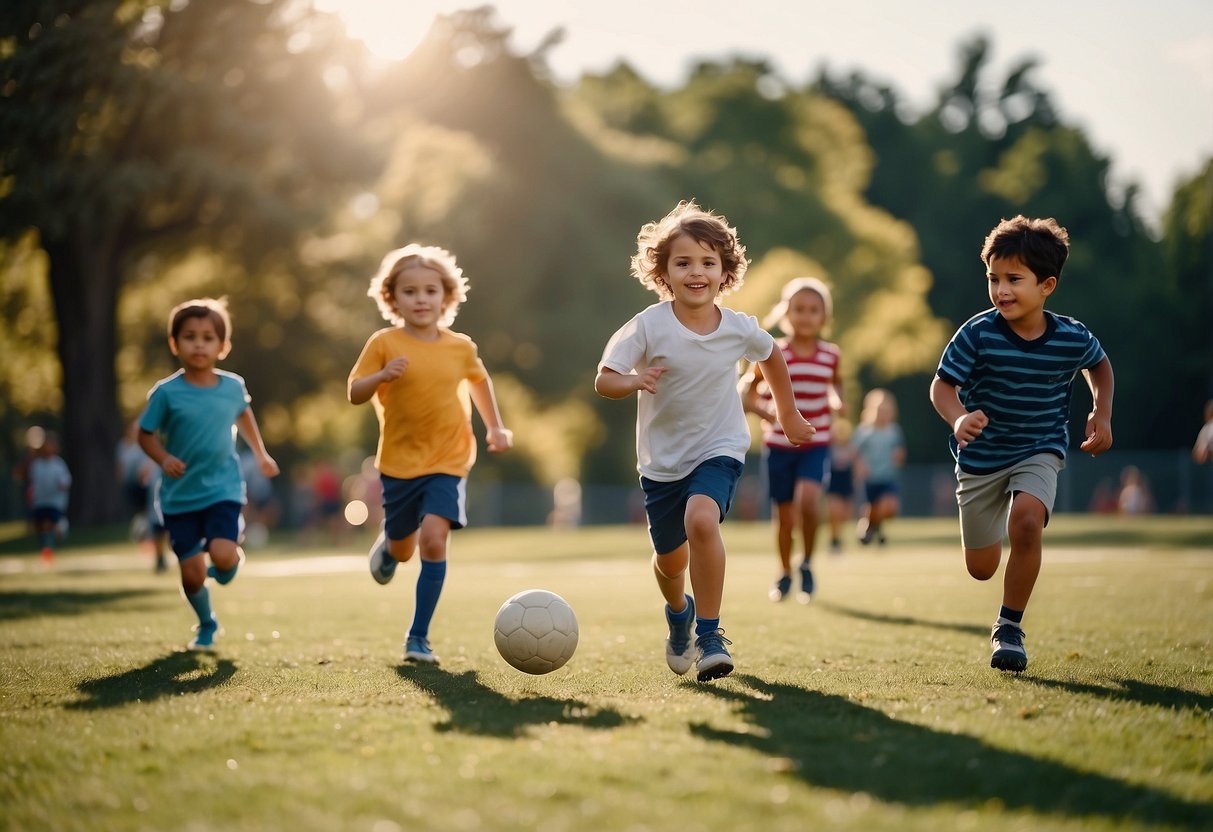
(985, 499)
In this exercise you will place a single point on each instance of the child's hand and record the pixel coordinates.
(268, 466)
(1099, 435)
(767, 414)
(172, 466)
(647, 379)
(500, 439)
(796, 428)
(394, 369)
(969, 426)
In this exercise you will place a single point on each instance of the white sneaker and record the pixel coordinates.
(383, 565)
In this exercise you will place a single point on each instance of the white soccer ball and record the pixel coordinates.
(536, 631)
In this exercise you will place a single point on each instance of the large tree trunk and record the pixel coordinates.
(84, 278)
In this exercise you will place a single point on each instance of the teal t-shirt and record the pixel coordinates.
(197, 425)
(877, 447)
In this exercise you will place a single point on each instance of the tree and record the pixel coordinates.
(132, 127)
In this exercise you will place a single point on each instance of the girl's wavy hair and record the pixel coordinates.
(655, 239)
(414, 255)
(778, 316)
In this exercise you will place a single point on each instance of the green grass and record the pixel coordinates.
(874, 708)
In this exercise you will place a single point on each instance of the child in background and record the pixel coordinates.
(840, 492)
(880, 446)
(1003, 387)
(796, 473)
(418, 375)
(186, 429)
(681, 355)
(49, 484)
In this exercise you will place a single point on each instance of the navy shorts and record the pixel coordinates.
(786, 467)
(191, 532)
(665, 503)
(875, 490)
(46, 514)
(842, 483)
(405, 502)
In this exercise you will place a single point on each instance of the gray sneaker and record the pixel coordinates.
(1006, 640)
(680, 647)
(713, 660)
(383, 565)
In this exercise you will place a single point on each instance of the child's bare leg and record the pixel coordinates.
(193, 574)
(402, 550)
(432, 538)
(785, 526)
(982, 562)
(707, 554)
(1026, 530)
(670, 570)
(225, 554)
(808, 495)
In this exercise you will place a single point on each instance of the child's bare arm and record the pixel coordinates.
(361, 389)
(246, 423)
(497, 436)
(613, 385)
(150, 443)
(795, 427)
(751, 402)
(965, 426)
(1099, 422)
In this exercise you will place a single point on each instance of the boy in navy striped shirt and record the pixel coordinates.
(1003, 386)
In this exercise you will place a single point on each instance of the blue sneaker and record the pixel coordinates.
(1009, 654)
(806, 585)
(205, 633)
(680, 647)
(383, 565)
(714, 660)
(780, 589)
(417, 649)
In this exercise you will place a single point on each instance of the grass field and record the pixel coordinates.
(874, 708)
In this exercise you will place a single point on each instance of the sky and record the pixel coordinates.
(1136, 76)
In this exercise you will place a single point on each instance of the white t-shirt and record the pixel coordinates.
(696, 413)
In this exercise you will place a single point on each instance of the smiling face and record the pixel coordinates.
(198, 344)
(1018, 295)
(420, 298)
(693, 272)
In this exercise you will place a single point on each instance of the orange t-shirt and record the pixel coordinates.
(425, 416)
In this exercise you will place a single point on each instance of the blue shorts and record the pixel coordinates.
(665, 503)
(46, 514)
(191, 532)
(787, 467)
(842, 483)
(405, 502)
(875, 490)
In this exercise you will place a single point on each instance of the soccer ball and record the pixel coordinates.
(535, 631)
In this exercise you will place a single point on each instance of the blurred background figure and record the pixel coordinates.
(566, 504)
(882, 450)
(1135, 497)
(49, 483)
(1202, 451)
(840, 493)
(262, 510)
(139, 479)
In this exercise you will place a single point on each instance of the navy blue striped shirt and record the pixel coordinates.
(1024, 387)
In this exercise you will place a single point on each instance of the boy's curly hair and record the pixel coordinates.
(1040, 244)
(655, 239)
(414, 255)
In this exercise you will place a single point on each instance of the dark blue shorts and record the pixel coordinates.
(191, 532)
(405, 502)
(875, 490)
(842, 483)
(787, 467)
(665, 503)
(46, 514)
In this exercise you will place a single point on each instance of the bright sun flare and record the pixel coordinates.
(390, 30)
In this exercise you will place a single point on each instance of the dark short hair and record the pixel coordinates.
(215, 309)
(1041, 244)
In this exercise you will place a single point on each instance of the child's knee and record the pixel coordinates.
(983, 563)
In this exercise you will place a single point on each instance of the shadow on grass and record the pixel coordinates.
(475, 708)
(27, 604)
(179, 672)
(879, 618)
(1133, 690)
(831, 742)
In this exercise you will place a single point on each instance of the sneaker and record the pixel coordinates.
(383, 565)
(680, 646)
(781, 589)
(1007, 642)
(417, 649)
(835, 547)
(880, 538)
(713, 660)
(806, 585)
(205, 633)
(864, 529)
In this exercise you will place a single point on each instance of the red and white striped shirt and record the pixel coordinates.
(811, 378)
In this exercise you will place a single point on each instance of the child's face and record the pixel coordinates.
(198, 344)
(1015, 290)
(693, 272)
(419, 297)
(806, 314)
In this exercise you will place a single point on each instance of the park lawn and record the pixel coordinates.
(872, 708)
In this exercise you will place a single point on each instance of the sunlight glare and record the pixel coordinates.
(391, 31)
